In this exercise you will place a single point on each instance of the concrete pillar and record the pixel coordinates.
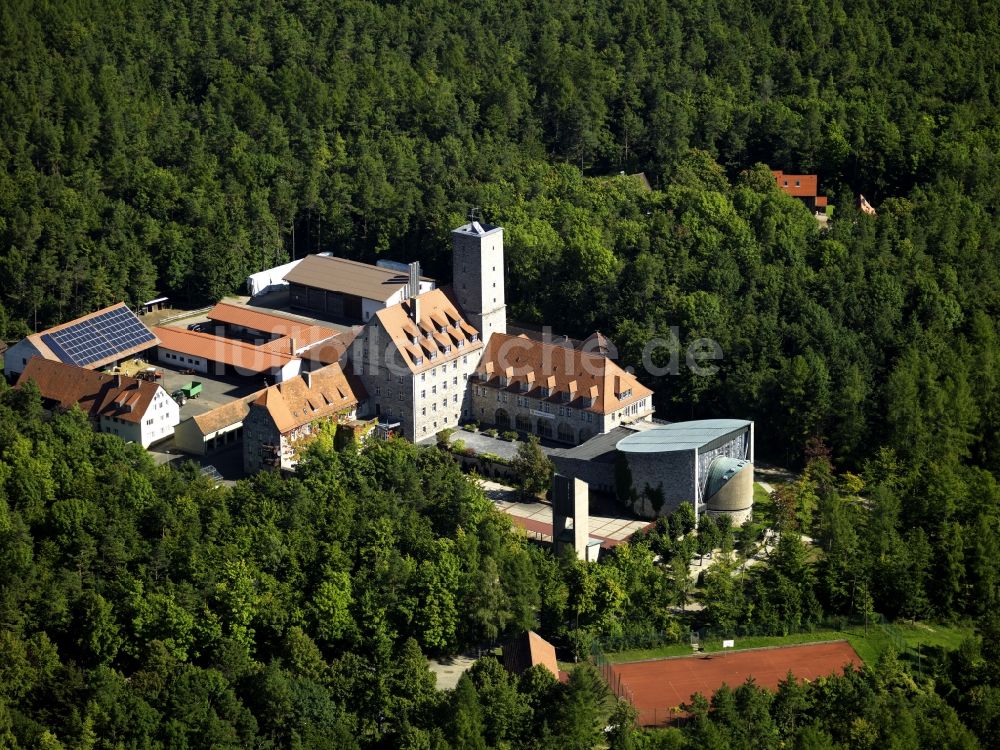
(571, 501)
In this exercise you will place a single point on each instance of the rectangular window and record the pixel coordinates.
(454, 399)
(454, 380)
(434, 389)
(423, 393)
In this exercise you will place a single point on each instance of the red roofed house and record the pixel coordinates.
(136, 410)
(803, 186)
(290, 411)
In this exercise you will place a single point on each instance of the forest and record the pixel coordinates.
(144, 606)
(165, 147)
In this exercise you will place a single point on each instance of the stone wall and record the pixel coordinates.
(660, 481)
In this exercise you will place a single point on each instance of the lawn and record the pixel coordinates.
(914, 638)
(764, 510)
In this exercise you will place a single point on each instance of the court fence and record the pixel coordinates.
(698, 639)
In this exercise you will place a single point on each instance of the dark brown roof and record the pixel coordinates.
(348, 277)
(527, 650)
(97, 394)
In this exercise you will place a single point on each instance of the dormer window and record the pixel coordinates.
(624, 394)
(418, 360)
(447, 349)
(461, 343)
(475, 337)
(434, 355)
(442, 329)
(413, 340)
(504, 381)
(545, 392)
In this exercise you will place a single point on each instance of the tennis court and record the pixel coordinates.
(658, 687)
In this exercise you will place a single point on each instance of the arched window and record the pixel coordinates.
(544, 427)
(565, 433)
(502, 419)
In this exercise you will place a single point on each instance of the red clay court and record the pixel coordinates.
(656, 687)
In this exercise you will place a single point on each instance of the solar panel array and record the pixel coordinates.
(98, 338)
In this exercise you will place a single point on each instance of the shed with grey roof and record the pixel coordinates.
(345, 289)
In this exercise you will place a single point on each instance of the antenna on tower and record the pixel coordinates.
(475, 214)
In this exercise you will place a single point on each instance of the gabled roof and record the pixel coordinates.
(97, 394)
(256, 319)
(331, 351)
(96, 339)
(217, 349)
(797, 185)
(436, 311)
(348, 277)
(300, 339)
(224, 416)
(562, 370)
(308, 397)
(528, 649)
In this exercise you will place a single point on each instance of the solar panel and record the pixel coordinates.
(98, 338)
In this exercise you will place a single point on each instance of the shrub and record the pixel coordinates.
(510, 435)
(491, 432)
(444, 435)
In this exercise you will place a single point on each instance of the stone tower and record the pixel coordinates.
(477, 275)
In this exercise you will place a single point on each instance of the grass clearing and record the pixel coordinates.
(764, 510)
(908, 638)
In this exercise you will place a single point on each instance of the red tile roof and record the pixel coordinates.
(96, 393)
(217, 349)
(256, 319)
(417, 347)
(797, 185)
(562, 370)
(309, 397)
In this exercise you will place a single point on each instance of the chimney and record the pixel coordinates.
(413, 289)
(292, 346)
(571, 390)
(413, 285)
(117, 381)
